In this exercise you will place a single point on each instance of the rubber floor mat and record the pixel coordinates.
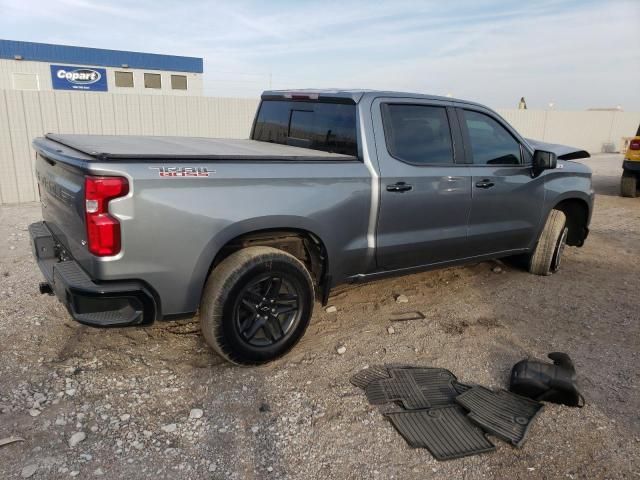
(501, 413)
(366, 376)
(460, 387)
(401, 387)
(439, 386)
(445, 431)
(414, 388)
(377, 372)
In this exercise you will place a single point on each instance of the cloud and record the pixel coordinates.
(578, 53)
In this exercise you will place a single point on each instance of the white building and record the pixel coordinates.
(46, 67)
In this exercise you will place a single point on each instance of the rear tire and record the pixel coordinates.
(256, 305)
(629, 185)
(546, 257)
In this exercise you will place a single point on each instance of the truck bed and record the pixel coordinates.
(141, 147)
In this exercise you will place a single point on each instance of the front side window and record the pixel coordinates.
(418, 134)
(491, 143)
(330, 127)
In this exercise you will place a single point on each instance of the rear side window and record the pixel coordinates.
(491, 143)
(418, 134)
(330, 127)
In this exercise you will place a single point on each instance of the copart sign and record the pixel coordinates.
(66, 77)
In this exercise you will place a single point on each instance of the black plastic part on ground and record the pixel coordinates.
(445, 431)
(500, 413)
(547, 382)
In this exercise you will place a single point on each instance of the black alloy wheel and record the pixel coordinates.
(256, 305)
(266, 310)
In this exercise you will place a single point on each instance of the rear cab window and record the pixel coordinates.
(325, 126)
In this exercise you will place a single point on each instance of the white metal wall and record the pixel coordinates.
(25, 115)
(589, 130)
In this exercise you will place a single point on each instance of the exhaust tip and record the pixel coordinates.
(45, 288)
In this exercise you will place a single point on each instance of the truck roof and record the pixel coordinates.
(349, 95)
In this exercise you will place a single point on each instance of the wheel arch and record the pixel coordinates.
(300, 241)
(578, 213)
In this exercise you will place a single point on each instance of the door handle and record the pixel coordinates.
(399, 187)
(486, 183)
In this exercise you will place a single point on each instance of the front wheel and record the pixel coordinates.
(546, 257)
(256, 305)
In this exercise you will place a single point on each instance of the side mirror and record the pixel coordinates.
(543, 161)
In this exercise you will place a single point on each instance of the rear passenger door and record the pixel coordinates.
(425, 190)
(507, 201)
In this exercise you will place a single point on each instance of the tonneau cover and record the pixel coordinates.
(104, 147)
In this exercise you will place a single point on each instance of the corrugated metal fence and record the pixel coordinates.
(25, 115)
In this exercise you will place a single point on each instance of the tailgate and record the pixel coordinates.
(61, 188)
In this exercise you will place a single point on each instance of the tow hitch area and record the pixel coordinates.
(99, 304)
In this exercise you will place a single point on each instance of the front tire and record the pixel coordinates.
(256, 305)
(629, 185)
(546, 257)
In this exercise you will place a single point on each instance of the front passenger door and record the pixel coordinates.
(506, 200)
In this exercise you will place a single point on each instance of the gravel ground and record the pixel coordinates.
(155, 402)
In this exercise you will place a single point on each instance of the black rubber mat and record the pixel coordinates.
(501, 413)
(414, 388)
(460, 387)
(376, 372)
(437, 385)
(401, 387)
(366, 376)
(445, 431)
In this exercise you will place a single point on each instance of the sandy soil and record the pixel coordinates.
(131, 391)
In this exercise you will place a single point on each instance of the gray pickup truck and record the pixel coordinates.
(332, 187)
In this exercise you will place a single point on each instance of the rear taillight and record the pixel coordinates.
(103, 230)
(634, 144)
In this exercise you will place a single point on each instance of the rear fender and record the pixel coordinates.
(236, 229)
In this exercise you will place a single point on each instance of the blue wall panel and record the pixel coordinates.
(44, 52)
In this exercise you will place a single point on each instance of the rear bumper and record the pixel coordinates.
(631, 166)
(105, 304)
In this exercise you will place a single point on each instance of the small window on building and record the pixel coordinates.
(25, 81)
(152, 80)
(179, 82)
(124, 79)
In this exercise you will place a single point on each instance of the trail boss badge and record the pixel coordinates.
(182, 171)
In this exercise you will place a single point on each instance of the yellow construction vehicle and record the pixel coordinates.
(631, 168)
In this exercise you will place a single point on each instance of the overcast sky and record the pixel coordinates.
(577, 54)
